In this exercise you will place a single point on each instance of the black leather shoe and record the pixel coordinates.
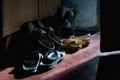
(44, 43)
(53, 36)
(31, 62)
(50, 32)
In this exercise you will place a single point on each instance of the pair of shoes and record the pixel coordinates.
(43, 53)
(75, 43)
(43, 37)
(43, 42)
(50, 32)
(40, 39)
(35, 60)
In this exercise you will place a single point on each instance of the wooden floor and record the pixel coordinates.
(67, 69)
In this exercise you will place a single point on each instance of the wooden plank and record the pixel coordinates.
(16, 12)
(48, 7)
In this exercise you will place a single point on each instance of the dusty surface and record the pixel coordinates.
(72, 64)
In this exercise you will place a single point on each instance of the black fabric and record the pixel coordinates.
(109, 68)
(109, 22)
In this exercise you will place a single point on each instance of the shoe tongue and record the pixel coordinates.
(53, 55)
(51, 29)
(41, 31)
(40, 24)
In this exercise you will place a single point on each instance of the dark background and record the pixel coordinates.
(110, 23)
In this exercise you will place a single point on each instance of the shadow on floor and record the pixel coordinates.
(86, 71)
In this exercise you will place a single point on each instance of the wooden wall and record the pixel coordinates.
(48, 7)
(16, 12)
